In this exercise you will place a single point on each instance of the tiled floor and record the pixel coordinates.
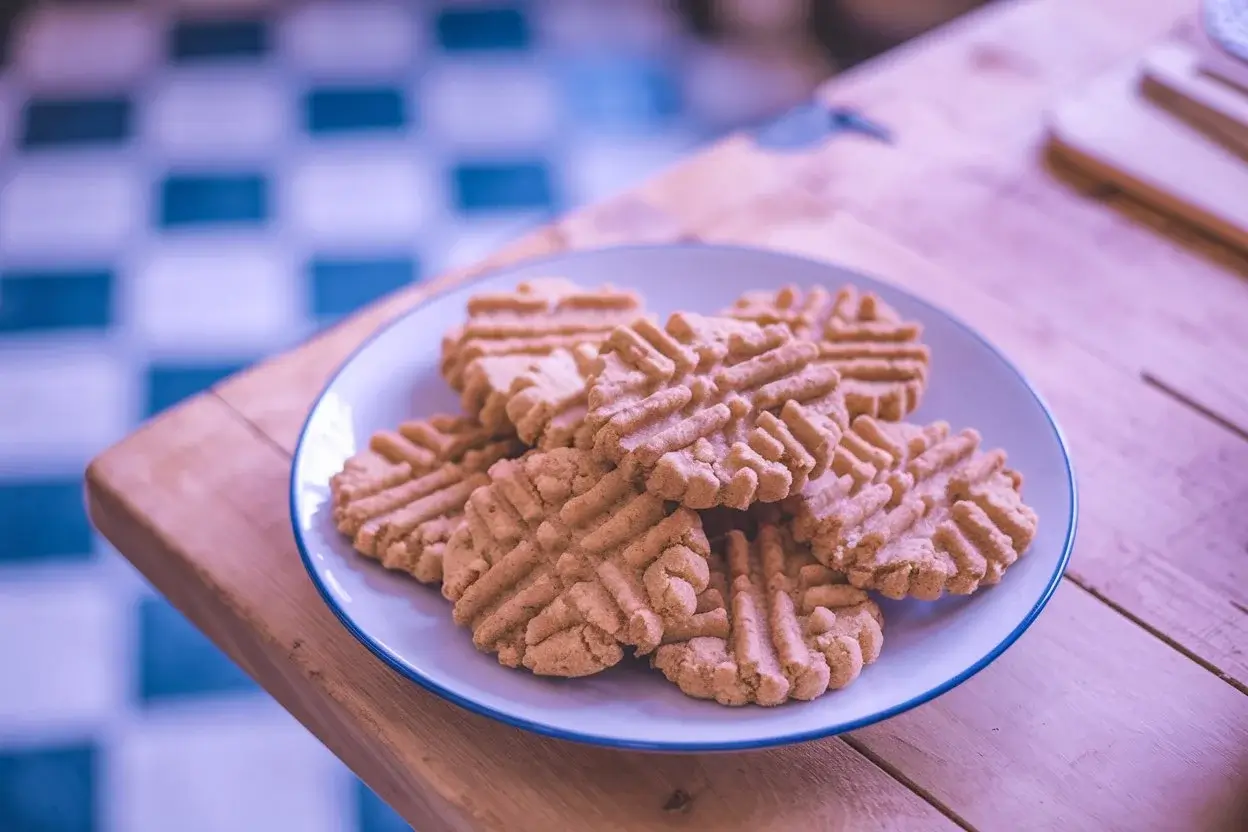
(189, 186)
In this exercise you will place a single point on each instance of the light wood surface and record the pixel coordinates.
(1124, 707)
(1170, 74)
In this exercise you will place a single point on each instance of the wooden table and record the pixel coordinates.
(1124, 707)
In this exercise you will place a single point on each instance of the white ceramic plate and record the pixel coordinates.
(928, 647)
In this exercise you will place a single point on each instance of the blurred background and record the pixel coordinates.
(190, 186)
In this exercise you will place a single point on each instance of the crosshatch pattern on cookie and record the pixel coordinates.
(563, 559)
(915, 511)
(400, 500)
(883, 365)
(715, 411)
(505, 330)
(548, 402)
(796, 628)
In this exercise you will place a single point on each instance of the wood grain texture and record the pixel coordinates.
(215, 538)
(1078, 728)
(1172, 75)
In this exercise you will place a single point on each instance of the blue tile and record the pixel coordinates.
(83, 121)
(350, 109)
(168, 384)
(373, 814)
(33, 301)
(488, 28)
(228, 198)
(340, 286)
(620, 92)
(177, 661)
(211, 39)
(50, 789)
(492, 186)
(43, 519)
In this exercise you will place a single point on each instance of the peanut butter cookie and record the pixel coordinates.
(564, 559)
(915, 511)
(506, 330)
(715, 411)
(883, 364)
(796, 628)
(400, 500)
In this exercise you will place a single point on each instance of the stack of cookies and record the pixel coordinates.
(719, 494)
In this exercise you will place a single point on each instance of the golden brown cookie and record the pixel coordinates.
(548, 400)
(421, 443)
(400, 500)
(506, 330)
(715, 411)
(563, 559)
(797, 629)
(915, 511)
(882, 362)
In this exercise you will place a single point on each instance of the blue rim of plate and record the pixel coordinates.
(396, 663)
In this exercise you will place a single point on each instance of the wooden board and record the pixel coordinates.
(1123, 708)
(1116, 133)
(1171, 76)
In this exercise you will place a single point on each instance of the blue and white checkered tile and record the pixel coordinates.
(188, 186)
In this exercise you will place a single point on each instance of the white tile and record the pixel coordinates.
(200, 296)
(205, 771)
(62, 401)
(89, 209)
(594, 169)
(351, 39)
(92, 47)
(589, 24)
(192, 114)
(490, 105)
(63, 655)
(360, 194)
